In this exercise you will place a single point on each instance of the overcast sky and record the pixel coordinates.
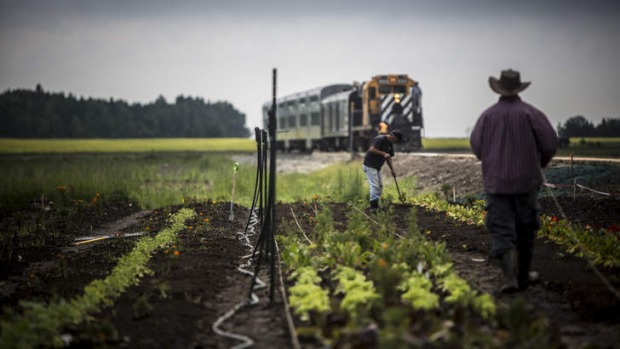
(225, 51)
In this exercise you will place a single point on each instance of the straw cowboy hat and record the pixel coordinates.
(509, 83)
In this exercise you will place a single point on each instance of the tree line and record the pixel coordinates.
(41, 114)
(579, 126)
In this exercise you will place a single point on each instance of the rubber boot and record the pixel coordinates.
(525, 277)
(374, 205)
(509, 264)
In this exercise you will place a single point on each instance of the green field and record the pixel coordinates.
(599, 147)
(149, 180)
(36, 146)
(154, 173)
(153, 180)
(158, 179)
(443, 144)
(590, 147)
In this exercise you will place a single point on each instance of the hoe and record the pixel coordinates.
(400, 196)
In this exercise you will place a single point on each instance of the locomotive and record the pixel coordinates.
(334, 117)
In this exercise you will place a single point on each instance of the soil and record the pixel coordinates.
(177, 306)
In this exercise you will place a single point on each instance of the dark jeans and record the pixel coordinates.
(512, 221)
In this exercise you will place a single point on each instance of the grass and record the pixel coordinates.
(592, 147)
(154, 180)
(342, 182)
(154, 173)
(599, 147)
(38, 146)
(461, 144)
(151, 173)
(150, 180)
(585, 147)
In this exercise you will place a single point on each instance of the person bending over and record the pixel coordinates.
(381, 151)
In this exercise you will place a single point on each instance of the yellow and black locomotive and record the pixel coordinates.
(330, 117)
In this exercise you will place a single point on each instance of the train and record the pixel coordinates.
(335, 117)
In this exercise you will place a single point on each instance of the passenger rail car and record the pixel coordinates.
(325, 118)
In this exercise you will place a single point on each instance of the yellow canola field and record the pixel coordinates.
(30, 146)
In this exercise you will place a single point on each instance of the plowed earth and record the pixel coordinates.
(177, 305)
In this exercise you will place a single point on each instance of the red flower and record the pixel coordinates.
(614, 228)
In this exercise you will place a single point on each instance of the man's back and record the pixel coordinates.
(514, 140)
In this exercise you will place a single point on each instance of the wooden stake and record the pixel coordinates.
(574, 189)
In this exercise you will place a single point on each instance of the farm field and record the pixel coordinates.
(46, 146)
(192, 277)
(599, 147)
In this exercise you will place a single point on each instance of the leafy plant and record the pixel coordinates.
(600, 246)
(297, 254)
(359, 293)
(307, 296)
(417, 291)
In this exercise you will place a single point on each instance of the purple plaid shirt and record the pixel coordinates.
(514, 140)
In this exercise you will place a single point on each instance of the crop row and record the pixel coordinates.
(42, 323)
(598, 245)
(367, 283)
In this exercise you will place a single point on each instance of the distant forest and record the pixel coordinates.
(579, 126)
(41, 114)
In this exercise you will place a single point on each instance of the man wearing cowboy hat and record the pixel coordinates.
(515, 141)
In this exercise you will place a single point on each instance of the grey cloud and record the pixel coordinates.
(277, 8)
